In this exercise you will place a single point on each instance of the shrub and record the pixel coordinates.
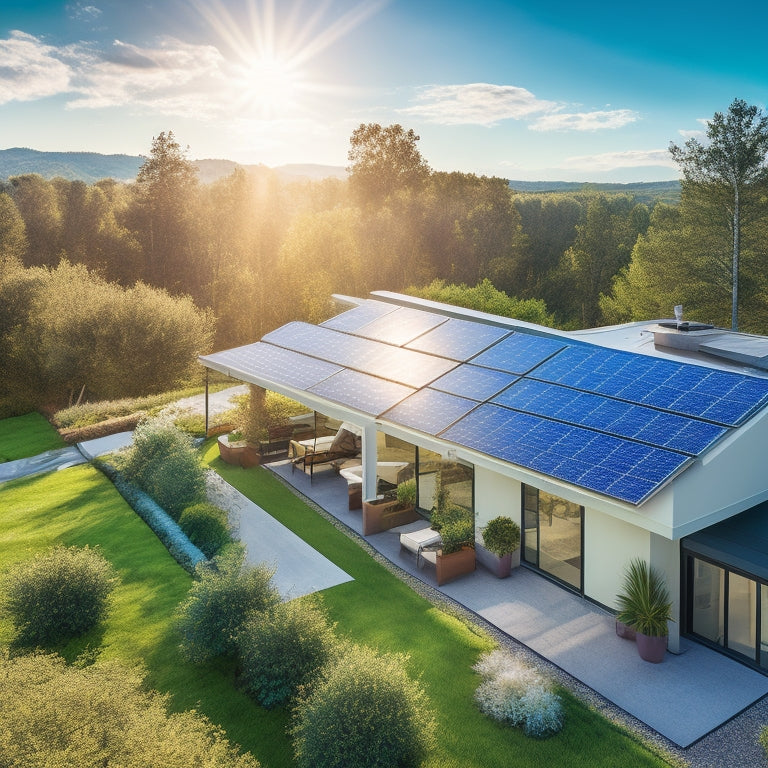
(183, 551)
(218, 603)
(57, 714)
(284, 648)
(501, 535)
(514, 693)
(163, 462)
(206, 526)
(365, 711)
(58, 594)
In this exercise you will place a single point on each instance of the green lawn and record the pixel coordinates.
(28, 435)
(79, 506)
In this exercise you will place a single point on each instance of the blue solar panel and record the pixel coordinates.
(690, 390)
(473, 382)
(430, 411)
(279, 365)
(368, 394)
(405, 366)
(459, 339)
(519, 353)
(601, 463)
(665, 430)
(359, 316)
(401, 326)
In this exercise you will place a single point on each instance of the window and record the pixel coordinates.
(553, 539)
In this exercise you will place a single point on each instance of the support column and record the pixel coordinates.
(369, 462)
(206, 402)
(665, 555)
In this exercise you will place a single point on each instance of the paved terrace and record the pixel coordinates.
(687, 696)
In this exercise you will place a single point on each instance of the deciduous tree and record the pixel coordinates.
(730, 168)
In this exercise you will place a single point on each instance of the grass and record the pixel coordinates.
(379, 610)
(79, 506)
(24, 436)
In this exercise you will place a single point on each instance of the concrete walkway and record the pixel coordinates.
(683, 699)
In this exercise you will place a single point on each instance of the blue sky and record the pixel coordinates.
(587, 91)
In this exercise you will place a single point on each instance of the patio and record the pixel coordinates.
(684, 698)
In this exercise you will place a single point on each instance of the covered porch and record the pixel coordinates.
(683, 699)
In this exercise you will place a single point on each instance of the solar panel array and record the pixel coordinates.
(613, 422)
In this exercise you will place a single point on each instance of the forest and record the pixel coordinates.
(141, 276)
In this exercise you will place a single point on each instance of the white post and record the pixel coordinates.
(369, 462)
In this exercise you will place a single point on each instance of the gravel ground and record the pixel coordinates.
(733, 745)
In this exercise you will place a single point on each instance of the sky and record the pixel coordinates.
(529, 90)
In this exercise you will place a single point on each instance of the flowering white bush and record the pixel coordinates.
(514, 693)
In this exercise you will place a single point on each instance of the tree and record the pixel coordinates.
(55, 714)
(384, 160)
(167, 188)
(13, 236)
(735, 160)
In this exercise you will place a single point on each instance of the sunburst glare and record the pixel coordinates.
(268, 51)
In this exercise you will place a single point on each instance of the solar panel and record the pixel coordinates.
(365, 393)
(359, 316)
(665, 430)
(405, 366)
(273, 363)
(519, 353)
(601, 463)
(459, 339)
(690, 390)
(430, 411)
(401, 326)
(473, 382)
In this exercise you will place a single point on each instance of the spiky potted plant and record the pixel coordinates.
(645, 606)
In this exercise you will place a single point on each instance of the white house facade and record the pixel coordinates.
(645, 440)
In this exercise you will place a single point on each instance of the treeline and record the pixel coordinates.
(252, 251)
(258, 251)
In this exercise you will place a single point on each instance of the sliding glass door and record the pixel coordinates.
(553, 536)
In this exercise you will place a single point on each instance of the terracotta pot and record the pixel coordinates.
(380, 515)
(651, 648)
(454, 564)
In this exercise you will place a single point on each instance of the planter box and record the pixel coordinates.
(624, 631)
(501, 567)
(651, 648)
(239, 454)
(381, 515)
(455, 564)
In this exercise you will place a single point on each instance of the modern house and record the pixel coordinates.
(642, 440)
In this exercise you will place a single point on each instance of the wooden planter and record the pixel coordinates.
(455, 564)
(501, 567)
(382, 514)
(239, 454)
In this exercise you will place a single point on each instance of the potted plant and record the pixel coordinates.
(456, 555)
(501, 542)
(645, 606)
(395, 509)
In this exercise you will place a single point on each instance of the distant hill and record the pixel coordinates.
(644, 191)
(86, 166)
(92, 166)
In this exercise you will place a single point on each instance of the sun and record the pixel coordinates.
(270, 85)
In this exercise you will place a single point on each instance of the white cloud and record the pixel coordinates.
(30, 69)
(585, 121)
(83, 12)
(608, 161)
(476, 103)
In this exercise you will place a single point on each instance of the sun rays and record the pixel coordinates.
(269, 50)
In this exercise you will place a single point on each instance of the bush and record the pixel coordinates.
(283, 649)
(58, 594)
(218, 603)
(163, 462)
(183, 551)
(206, 526)
(56, 714)
(365, 711)
(514, 693)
